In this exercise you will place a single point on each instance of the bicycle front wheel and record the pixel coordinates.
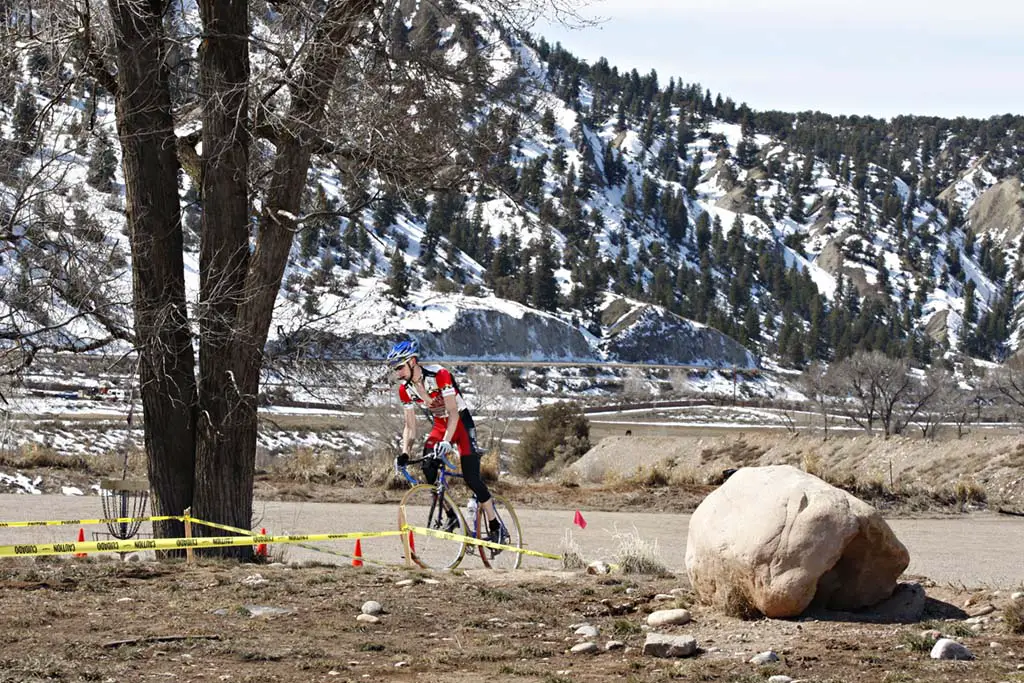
(422, 507)
(511, 534)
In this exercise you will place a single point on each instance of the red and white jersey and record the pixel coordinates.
(439, 383)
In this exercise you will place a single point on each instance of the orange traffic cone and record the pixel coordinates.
(261, 548)
(357, 559)
(81, 539)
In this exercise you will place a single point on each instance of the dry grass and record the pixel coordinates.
(110, 464)
(738, 452)
(568, 478)
(1013, 616)
(490, 466)
(572, 554)
(637, 556)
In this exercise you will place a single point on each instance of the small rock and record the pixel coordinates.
(764, 658)
(995, 646)
(664, 617)
(261, 611)
(126, 599)
(254, 580)
(1019, 595)
(368, 619)
(663, 597)
(372, 607)
(598, 567)
(431, 582)
(662, 645)
(614, 645)
(982, 611)
(931, 634)
(405, 582)
(588, 631)
(946, 648)
(399, 665)
(587, 648)
(780, 679)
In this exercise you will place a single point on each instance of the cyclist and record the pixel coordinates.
(433, 389)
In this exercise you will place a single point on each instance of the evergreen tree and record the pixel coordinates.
(102, 164)
(547, 122)
(25, 124)
(970, 312)
(398, 278)
(544, 286)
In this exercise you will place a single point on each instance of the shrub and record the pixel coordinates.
(560, 434)
(637, 556)
(1013, 616)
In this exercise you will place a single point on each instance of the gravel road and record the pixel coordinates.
(979, 550)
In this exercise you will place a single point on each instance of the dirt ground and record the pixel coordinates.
(99, 619)
(106, 620)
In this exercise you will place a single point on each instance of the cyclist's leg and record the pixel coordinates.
(471, 473)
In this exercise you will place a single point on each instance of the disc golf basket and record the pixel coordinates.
(124, 499)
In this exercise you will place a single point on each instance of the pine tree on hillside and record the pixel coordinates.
(544, 286)
(398, 278)
(25, 125)
(102, 164)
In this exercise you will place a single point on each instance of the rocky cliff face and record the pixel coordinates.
(470, 330)
(487, 334)
(999, 212)
(648, 334)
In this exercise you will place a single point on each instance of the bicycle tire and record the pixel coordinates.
(505, 559)
(419, 508)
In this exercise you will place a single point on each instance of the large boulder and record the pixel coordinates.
(777, 540)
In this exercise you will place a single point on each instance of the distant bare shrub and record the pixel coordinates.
(969, 492)
(651, 476)
(568, 478)
(305, 465)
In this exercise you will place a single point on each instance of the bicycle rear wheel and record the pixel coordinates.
(511, 534)
(421, 507)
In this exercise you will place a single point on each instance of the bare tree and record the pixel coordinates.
(875, 387)
(495, 405)
(1007, 382)
(818, 384)
(320, 80)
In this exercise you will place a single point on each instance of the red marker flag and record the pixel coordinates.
(579, 521)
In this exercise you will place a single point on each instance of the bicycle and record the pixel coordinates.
(431, 506)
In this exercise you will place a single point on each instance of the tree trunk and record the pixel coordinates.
(167, 366)
(228, 376)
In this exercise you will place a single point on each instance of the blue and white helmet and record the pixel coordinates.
(402, 352)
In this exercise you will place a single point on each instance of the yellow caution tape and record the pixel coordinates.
(111, 520)
(30, 549)
(246, 537)
(223, 527)
(478, 541)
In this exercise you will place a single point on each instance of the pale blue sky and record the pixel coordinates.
(875, 57)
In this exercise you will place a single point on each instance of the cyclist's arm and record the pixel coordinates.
(409, 433)
(451, 405)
